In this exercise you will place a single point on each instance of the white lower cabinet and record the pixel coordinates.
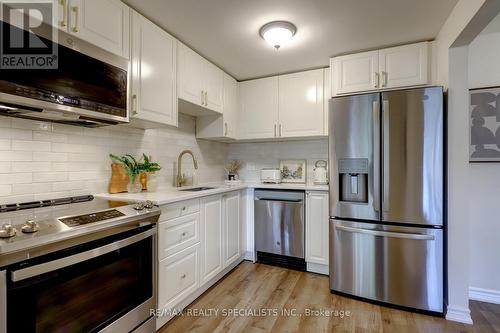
(211, 237)
(178, 277)
(232, 248)
(317, 219)
(198, 242)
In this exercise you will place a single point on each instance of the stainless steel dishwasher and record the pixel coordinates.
(279, 228)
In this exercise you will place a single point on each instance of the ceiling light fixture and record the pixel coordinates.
(278, 33)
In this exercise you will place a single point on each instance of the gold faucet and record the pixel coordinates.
(180, 180)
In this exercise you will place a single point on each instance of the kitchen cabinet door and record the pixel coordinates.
(154, 97)
(211, 237)
(213, 86)
(258, 116)
(301, 108)
(104, 23)
(317, 218)
(190, 75)
(355, 72)
(405, 65)
(231, 227)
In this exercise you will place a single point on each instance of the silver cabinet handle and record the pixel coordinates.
(64, 4)
(202, 98)
(385, 233)
(206, 98)
(376, 79)
(384, 79)
(376, 154)
(274, 130)
(183, 276)
(280, 130)
(28, 272)
(134, 104)
(183, 234)
(76, 11)
(225, 129)
(386, 152)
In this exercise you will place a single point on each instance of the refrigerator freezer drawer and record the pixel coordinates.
(397, 265)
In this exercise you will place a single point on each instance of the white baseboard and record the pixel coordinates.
(484, 295)
(249, 255)
(317, 268)
(459, 314)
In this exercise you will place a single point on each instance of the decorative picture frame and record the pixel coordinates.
(484, 125)
(293, 171)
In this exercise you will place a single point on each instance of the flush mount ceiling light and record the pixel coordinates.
(278, 33)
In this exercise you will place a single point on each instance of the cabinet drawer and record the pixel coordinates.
(177, 277)
(177, 209)
(178, 234)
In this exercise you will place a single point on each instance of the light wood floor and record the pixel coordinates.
(255, 287)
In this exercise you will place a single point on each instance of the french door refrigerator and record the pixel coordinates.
(387, 212)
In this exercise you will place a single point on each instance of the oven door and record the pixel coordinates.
(103, 286)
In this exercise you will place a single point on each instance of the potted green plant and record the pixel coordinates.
(150, 169)
(132, 168)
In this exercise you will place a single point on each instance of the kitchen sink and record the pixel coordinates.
(198, 189)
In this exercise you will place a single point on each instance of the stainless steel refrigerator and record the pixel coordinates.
(387, 197)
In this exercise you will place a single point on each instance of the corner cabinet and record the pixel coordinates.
(317, 233)
(395, 67)
(104, 23)
(200, 82)
(222, 127)
(153, 84)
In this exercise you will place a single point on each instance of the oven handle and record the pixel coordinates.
(50, 266)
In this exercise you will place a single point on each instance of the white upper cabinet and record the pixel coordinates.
(214, 87)
(259, 109)
(104, 23)
(190, 66)
(200, 82)
(154, 97)
(405, 65)
(401, 66)
(301, 107)
(355, 72)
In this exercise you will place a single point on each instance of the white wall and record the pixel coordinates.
(256, 156)
(484, 178)
(41, 160)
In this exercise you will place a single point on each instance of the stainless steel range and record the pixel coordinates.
(77, 264)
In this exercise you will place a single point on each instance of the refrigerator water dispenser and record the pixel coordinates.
(353, 176)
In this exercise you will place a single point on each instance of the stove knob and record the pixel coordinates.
(7, 231)
(139, 206)
(148, 204)
(30, 226)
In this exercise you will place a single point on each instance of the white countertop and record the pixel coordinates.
(167, 196)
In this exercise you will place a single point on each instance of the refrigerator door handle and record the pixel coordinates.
(386, 157)
(376, 155)
(385, 233)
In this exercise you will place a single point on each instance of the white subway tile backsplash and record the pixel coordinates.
(31, 166)
(16, 156)
(40, 162)
(50, 157)
(31, 145)
(16, 178)
(40, 177)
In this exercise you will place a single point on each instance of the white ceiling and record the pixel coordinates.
(226, 31)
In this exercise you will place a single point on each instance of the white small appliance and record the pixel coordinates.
(320, 173)
(270, 175)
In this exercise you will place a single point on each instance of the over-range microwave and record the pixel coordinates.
(89, 86)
